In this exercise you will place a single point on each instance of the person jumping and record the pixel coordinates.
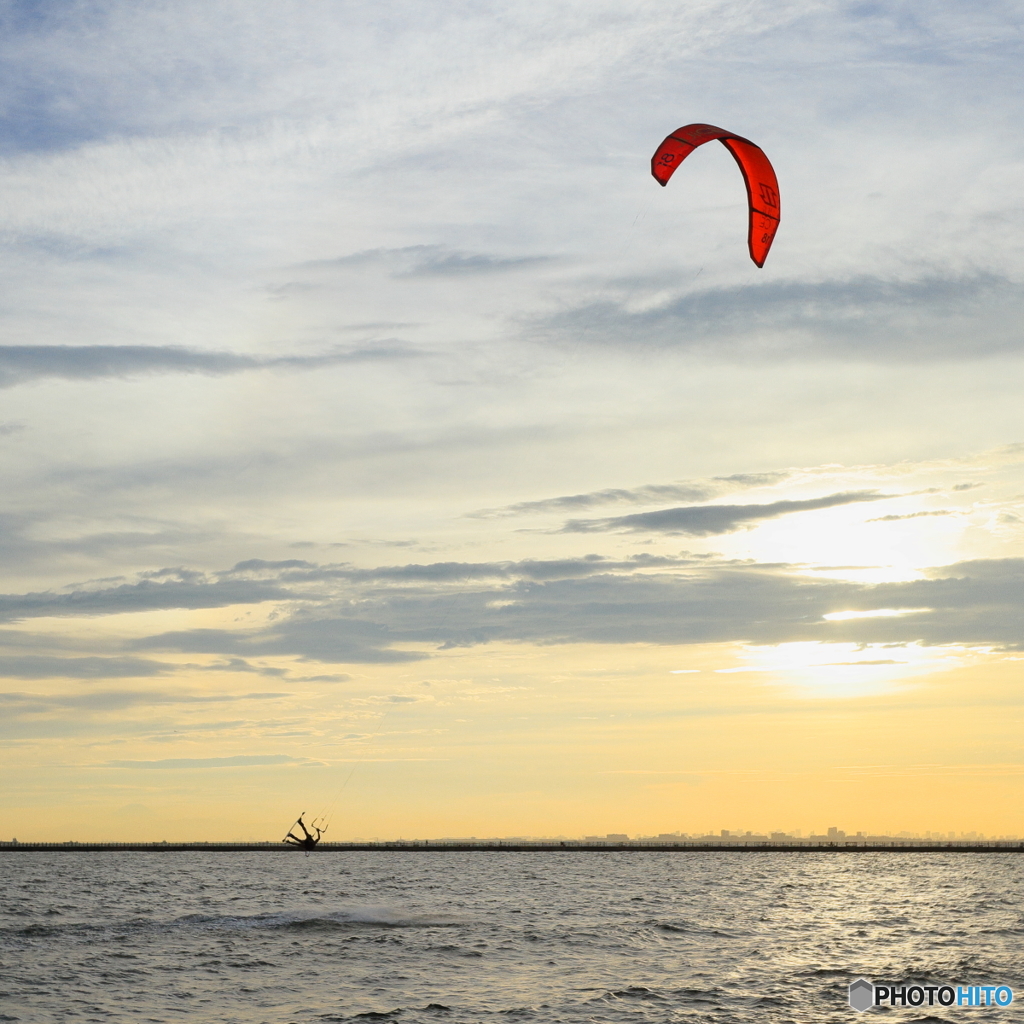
(308, 841)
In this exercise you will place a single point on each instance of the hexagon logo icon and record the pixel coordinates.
(862, 994)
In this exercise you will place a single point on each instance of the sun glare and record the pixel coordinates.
(845, 669)
(855, 543)
(874, 613)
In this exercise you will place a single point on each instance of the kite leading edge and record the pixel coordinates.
(758, 176)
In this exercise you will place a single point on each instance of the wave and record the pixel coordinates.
(632, 992)
(72, 929)
(384, 1014)
(349, 917)
(690, 927)
(308, 920)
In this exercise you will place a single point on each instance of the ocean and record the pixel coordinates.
(523, 937)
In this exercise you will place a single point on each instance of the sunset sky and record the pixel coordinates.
(378, 437)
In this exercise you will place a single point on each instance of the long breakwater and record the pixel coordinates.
(541, 845)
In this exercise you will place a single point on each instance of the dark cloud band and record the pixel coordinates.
(709, 520)
(396, 614)
(856, 318)
(21, 363)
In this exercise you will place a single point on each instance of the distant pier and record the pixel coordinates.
(546, 846)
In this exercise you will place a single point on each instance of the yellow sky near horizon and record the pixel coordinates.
(572, 740)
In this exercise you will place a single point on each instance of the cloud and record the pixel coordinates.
(241, 665)
(431, 261)
(145, 595)
(870, 317)
(298, 571)
(44, 667)
(78, 74)
(324, 638)
(22, 541)
(458, 264)
(971, 603)
(913, 515)
(708, 520)
(259, 565)
(239, 761)
(876, 661)
(698, 490)
(381, 325)
(22, 363)
(632, 602)
(400, 614)
(982, 570)
(17, 704)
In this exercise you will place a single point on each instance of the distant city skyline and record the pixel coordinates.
(831, 833)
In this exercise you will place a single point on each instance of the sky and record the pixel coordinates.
(379, 440)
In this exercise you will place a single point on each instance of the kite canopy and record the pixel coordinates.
(758, 175)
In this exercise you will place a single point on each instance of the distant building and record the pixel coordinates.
(617, 835)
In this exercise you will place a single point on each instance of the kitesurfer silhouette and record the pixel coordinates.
(308, 841)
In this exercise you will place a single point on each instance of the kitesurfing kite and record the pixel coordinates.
(757, 171)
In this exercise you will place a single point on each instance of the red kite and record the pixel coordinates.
(758, 176)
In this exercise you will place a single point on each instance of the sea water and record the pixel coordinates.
(524, 937)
